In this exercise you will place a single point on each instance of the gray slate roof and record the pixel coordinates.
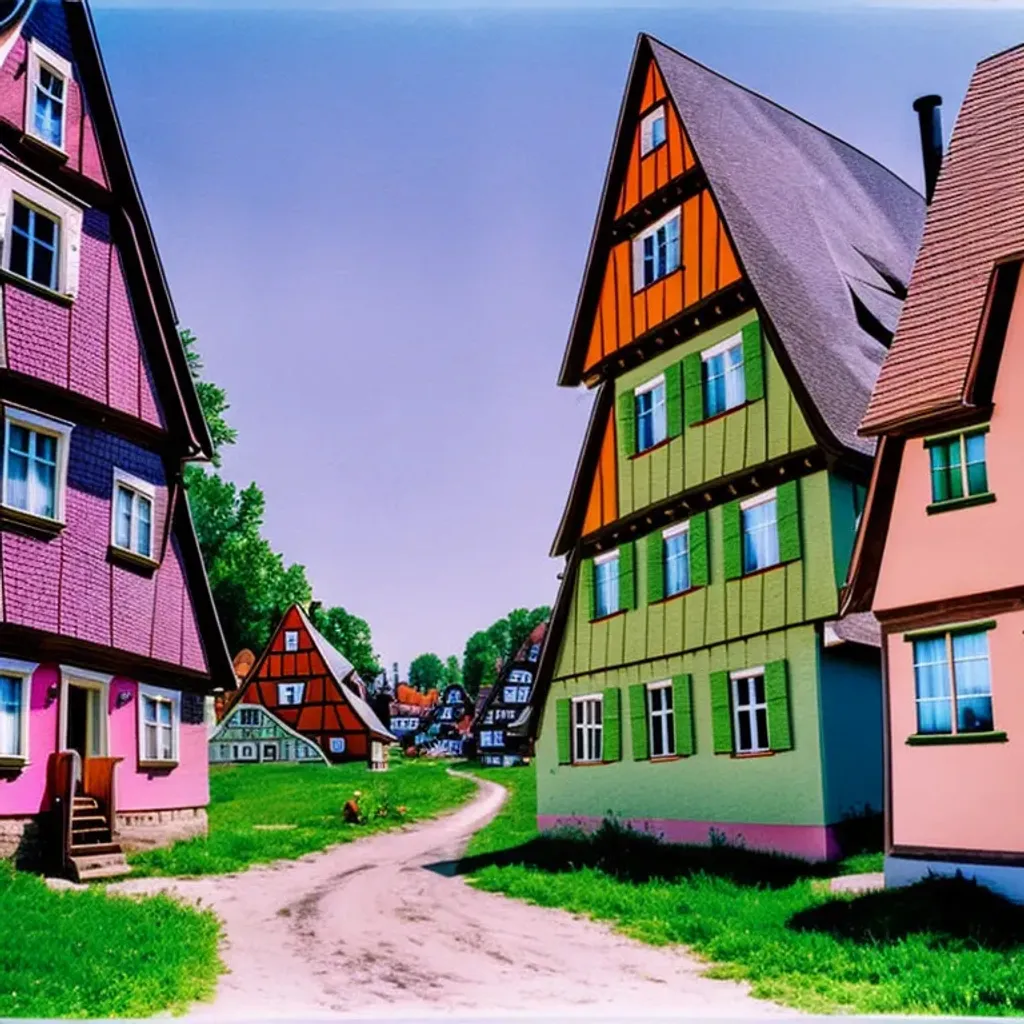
(812, 218)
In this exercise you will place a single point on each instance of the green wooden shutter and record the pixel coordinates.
(562, 727)
(787, 511)
(693, 389)
(674, 399)
(682, 714)
(721, 712)
(776, 689)
(611, 726)
(627, 423)
(753, 361)
(699, 550)
(655, 567)
(627, 577)
(638, 721)
(732, 538)
(587, 587)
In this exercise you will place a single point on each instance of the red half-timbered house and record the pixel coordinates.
(310, 687)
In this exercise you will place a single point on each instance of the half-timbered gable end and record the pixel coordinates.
(744, 279)
(310, 687)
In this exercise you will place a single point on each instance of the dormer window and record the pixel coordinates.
(656, 251)
(133, 515)
(35, 245)
(48, 75)
(653, 131)
(35, 464)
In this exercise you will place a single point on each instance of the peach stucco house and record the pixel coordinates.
(938, 559)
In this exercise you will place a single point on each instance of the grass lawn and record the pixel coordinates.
(943, 946)
(265, 812)
(87, 954)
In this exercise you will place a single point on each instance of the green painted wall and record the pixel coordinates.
(851, 706)
(724, 610)
(764, 430)
(784, 788)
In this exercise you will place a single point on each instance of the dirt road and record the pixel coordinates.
(367, 929)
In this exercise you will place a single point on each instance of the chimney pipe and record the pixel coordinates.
(930, 120)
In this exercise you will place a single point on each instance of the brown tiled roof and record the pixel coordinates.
(975, 220)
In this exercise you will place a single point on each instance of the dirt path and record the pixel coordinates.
(366, 929)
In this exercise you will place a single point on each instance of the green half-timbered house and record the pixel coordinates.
(743, 283)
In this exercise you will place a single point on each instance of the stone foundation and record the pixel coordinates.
(142, 830)
(21, 840)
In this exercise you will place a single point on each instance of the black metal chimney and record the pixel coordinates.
(930, 119)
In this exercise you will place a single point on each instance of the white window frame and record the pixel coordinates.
(608, 556)
(139, 488)
(520, 675)
(720, 349)
(290, 687)
(668, 534)
(40, 55)
(762, 744)
(659, 435)
(647, 145)
(59, 429)
(291, 641)
(638, 248)
(595, 699)
(84, 679)
(161, 696)
(252, 709)
(23, 670)
(64, 209)
(667, 723)
(534, 653)
(759, 499)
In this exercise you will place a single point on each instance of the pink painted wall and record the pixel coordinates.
(971, 550)
(960, 796)
(186, 785)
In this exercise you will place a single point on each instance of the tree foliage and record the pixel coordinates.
(427, 672)
(486, 648)
(452, 671)
(251, 585)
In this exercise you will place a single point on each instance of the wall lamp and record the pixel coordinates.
(123, 697)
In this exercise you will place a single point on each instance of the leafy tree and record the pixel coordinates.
(351, 636)
(426, 673)
(452, 671)
(500, 641)
(214, 400)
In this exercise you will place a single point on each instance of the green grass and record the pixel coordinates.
(302, 804)
(87, 954)
(944, 946)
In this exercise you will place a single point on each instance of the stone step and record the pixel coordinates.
(87, 867)
(95, 849)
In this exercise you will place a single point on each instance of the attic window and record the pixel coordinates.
(48, 75)
(652, 131)
(291, 639)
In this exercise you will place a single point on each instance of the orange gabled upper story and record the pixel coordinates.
(661, 151)
(603, 503)
(959, 498)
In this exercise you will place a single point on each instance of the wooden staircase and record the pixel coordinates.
(83, 813)
(93, 854)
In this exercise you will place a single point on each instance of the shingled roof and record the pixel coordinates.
(976, 220)
(824, 233)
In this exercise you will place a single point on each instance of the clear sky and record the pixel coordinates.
(376, 223)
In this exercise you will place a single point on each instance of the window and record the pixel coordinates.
(455, 697)
(651, 419)
(15, 681)
(492, 738)
(606, 584)
(290, 693)
(959, 701)
(760, 532)
(724, 379)
(520, 675)
(656, 252)
(661, 719)
(447, 714)
(676, 541)
(160, 713)
(35, 245)
(49, 74)
(750, 712)
(269, 751)
(249, 716)
(958, 467)
(516, 694)
(291, 639)
(652, 131)
(534, 653)
(133, 515)
(586, 729)
(35, 463)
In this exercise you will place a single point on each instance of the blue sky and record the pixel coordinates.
(376, 222)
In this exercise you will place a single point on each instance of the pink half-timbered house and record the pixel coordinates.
(109, 639)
